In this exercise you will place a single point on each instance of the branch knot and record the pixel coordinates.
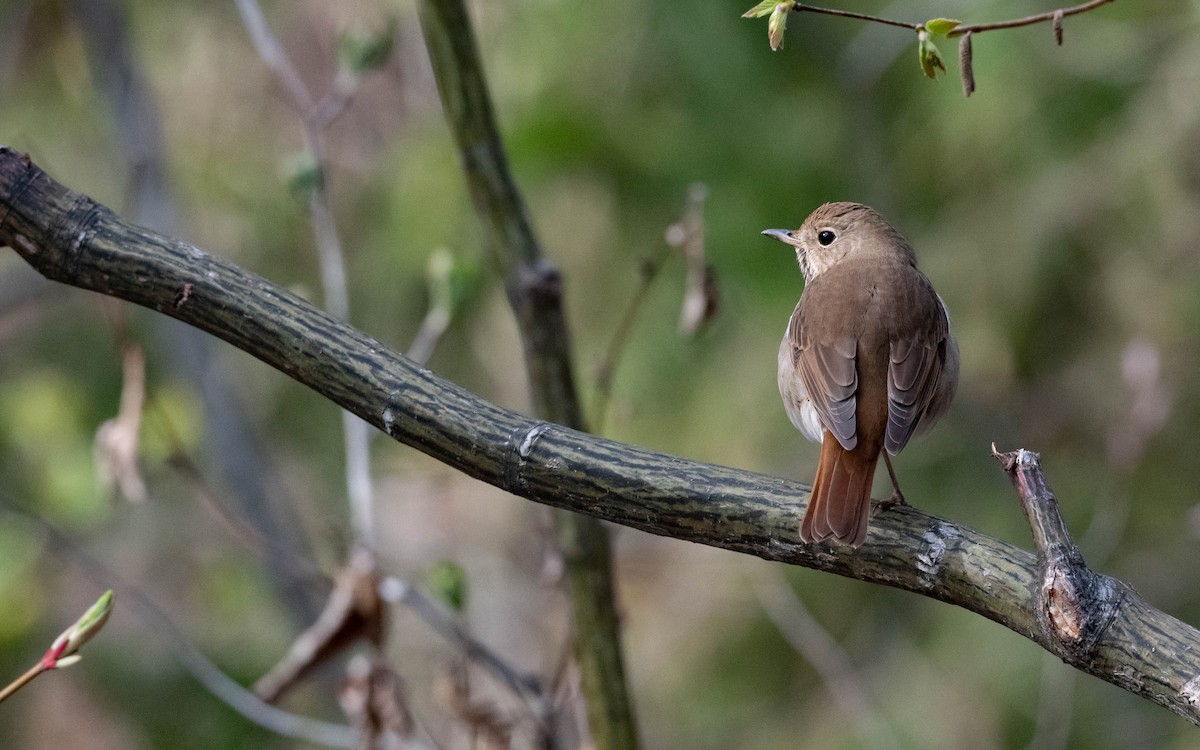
(521, 444)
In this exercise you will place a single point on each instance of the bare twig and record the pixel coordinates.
(26, 677)
(525, 685)
(316, 116)
(391, 589)
(271, 52)
(822, 651)
(247, 534)
(699, 304)
(441, 307)
(802, 8)
(1054, 16)
(607, 369)
(203, 669)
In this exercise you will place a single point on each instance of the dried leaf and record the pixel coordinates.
(372, 697)
(116, 443)
(700, 296)
(491, 728)
(354, 610)
(1058, 20)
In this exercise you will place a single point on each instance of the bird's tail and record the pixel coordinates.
(840, 504)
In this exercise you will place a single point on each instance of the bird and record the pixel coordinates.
(868, 360)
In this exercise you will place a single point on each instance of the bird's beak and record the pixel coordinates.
(783, 235)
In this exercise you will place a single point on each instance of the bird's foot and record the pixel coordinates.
(895, 501)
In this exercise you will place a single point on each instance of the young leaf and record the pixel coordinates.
(762, 9)
(72, 639)
(777, 24)
(358, 54)
(927, 53)
(941, 26)
(448, 582)
(303, 173)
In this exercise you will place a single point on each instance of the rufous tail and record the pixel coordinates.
(840, 504)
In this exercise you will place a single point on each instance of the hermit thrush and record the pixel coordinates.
(868, 359)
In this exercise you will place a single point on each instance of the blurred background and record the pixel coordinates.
(1057, 211)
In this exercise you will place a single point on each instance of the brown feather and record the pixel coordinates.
(868, 359)
(840, 503)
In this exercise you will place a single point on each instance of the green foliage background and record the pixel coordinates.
(1056, 211)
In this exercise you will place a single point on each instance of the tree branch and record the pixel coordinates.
(316, 116)
(976, 28)
(70, 238)
(1055, 16)
(930, 59)
(802, 8)
(534, 289)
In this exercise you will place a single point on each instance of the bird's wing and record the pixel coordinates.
(916, 362)
(827, 369)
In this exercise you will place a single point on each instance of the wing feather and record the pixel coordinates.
(914, 369)
(829, 373)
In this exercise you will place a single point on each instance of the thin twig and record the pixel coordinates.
(316, 116)
(392, 589)
(801, 630)
(607, 369)
(687, 235)
(1052, 726)
(527, 686)
(272, 54)
(1027, 20)
(929, 55)
(959, 30)
(203, 669)
(441, 307)
(21, 681)
(247, 534)
(802, 8)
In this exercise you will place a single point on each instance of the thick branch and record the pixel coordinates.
(70, 238)
(1075, 604)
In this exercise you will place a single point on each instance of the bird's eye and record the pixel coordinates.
(825, 237)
